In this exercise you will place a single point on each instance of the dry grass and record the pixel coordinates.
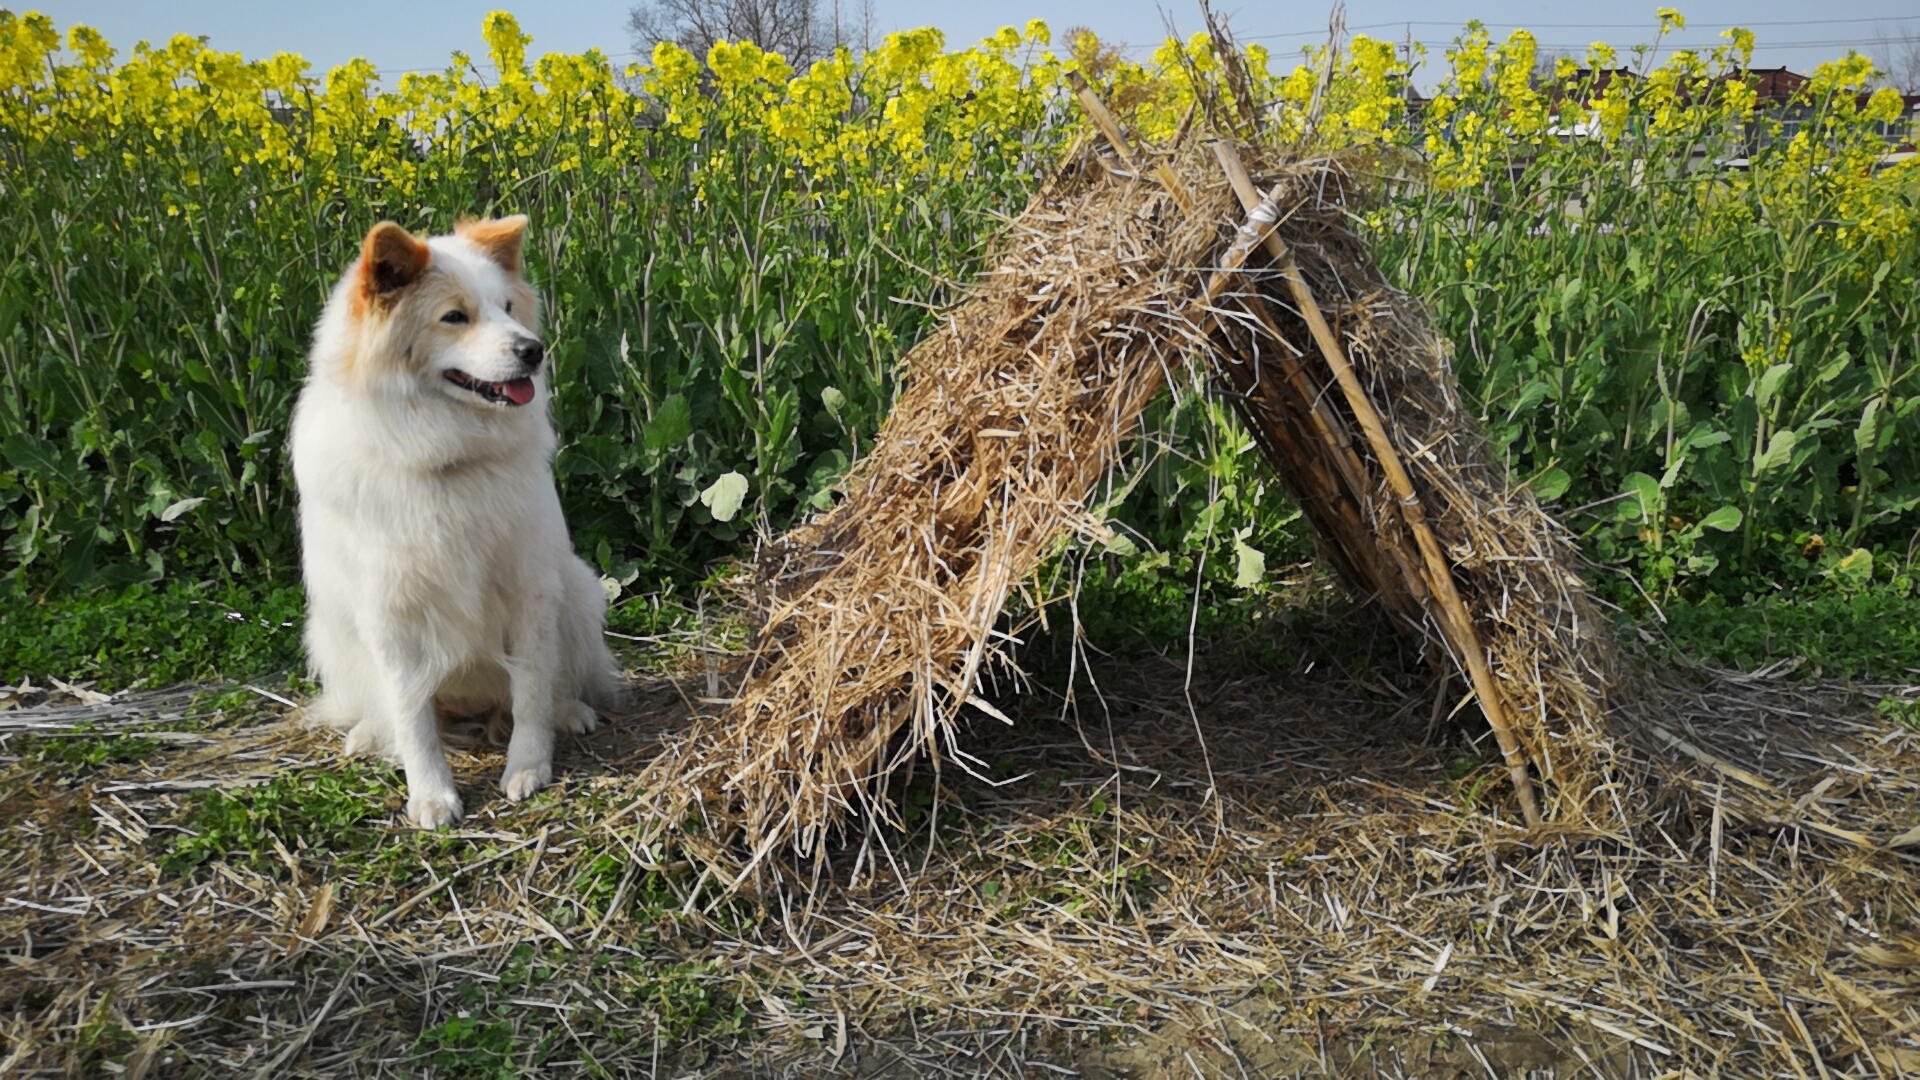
(1361, 905)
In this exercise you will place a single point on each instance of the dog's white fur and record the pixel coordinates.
(438, 565)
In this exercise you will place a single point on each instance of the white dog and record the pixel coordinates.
(438, 566)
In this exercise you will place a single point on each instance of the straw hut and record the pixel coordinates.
(879, 617)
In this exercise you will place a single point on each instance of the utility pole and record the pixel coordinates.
(1406, 89)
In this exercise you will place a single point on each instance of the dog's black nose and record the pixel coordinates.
(529, 352)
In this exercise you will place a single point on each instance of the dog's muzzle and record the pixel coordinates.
(512, 392)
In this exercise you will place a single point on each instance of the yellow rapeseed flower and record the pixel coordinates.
(885, 123)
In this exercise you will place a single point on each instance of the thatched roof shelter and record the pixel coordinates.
(880, 616)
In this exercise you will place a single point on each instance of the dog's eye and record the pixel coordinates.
(454, 317)
(509, 307)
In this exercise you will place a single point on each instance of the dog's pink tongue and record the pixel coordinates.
(520, 390)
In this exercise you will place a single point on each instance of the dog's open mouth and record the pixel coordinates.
(511, 392)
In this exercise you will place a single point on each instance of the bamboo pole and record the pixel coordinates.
(1102, 119)
(1455, 621)
(1410, 598)
(1262, 218)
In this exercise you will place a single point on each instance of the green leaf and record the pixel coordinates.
(1206, 522)
(834, 400)
(827, 470)
(780, 419)
(31, 455)
(1770, 383)
(174, 510)
(1672, 474)
(1703, 436)
(1779, 452)
(1645, 501)
(1668, 412)
(672, 424)
(1725, 519)
(1531, 395)
(1251, 565)
(1702, 564)
(1855, 569)
(1551, 484)
(724, 497)
(1866, 436)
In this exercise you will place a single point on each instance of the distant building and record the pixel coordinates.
(1779, 96)
(1779, 99)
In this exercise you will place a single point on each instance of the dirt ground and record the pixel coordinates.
(1294, 871)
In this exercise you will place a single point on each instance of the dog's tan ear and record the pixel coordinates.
(391, 258)
(500, 238)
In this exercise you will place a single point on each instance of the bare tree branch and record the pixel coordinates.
(796, 29)
(1898, 57)
(1544, 62)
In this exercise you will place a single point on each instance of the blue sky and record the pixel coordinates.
(399, 36)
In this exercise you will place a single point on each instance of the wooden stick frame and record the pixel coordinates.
(1429, 580)
(1456, 622)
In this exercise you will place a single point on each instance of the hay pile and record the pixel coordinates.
(1361, 913)
(883, 615)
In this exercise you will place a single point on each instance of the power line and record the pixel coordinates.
(1677, 47)
(1760, 46)
(1582, 26)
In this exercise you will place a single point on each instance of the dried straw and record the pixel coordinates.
(1407, 503)
(1360, 913)
(881, 614)
(880, 617)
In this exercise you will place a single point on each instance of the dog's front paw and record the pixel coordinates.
(576, 718)
(430, 810)
(363, 738)
(372, 739)
(521, 782)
